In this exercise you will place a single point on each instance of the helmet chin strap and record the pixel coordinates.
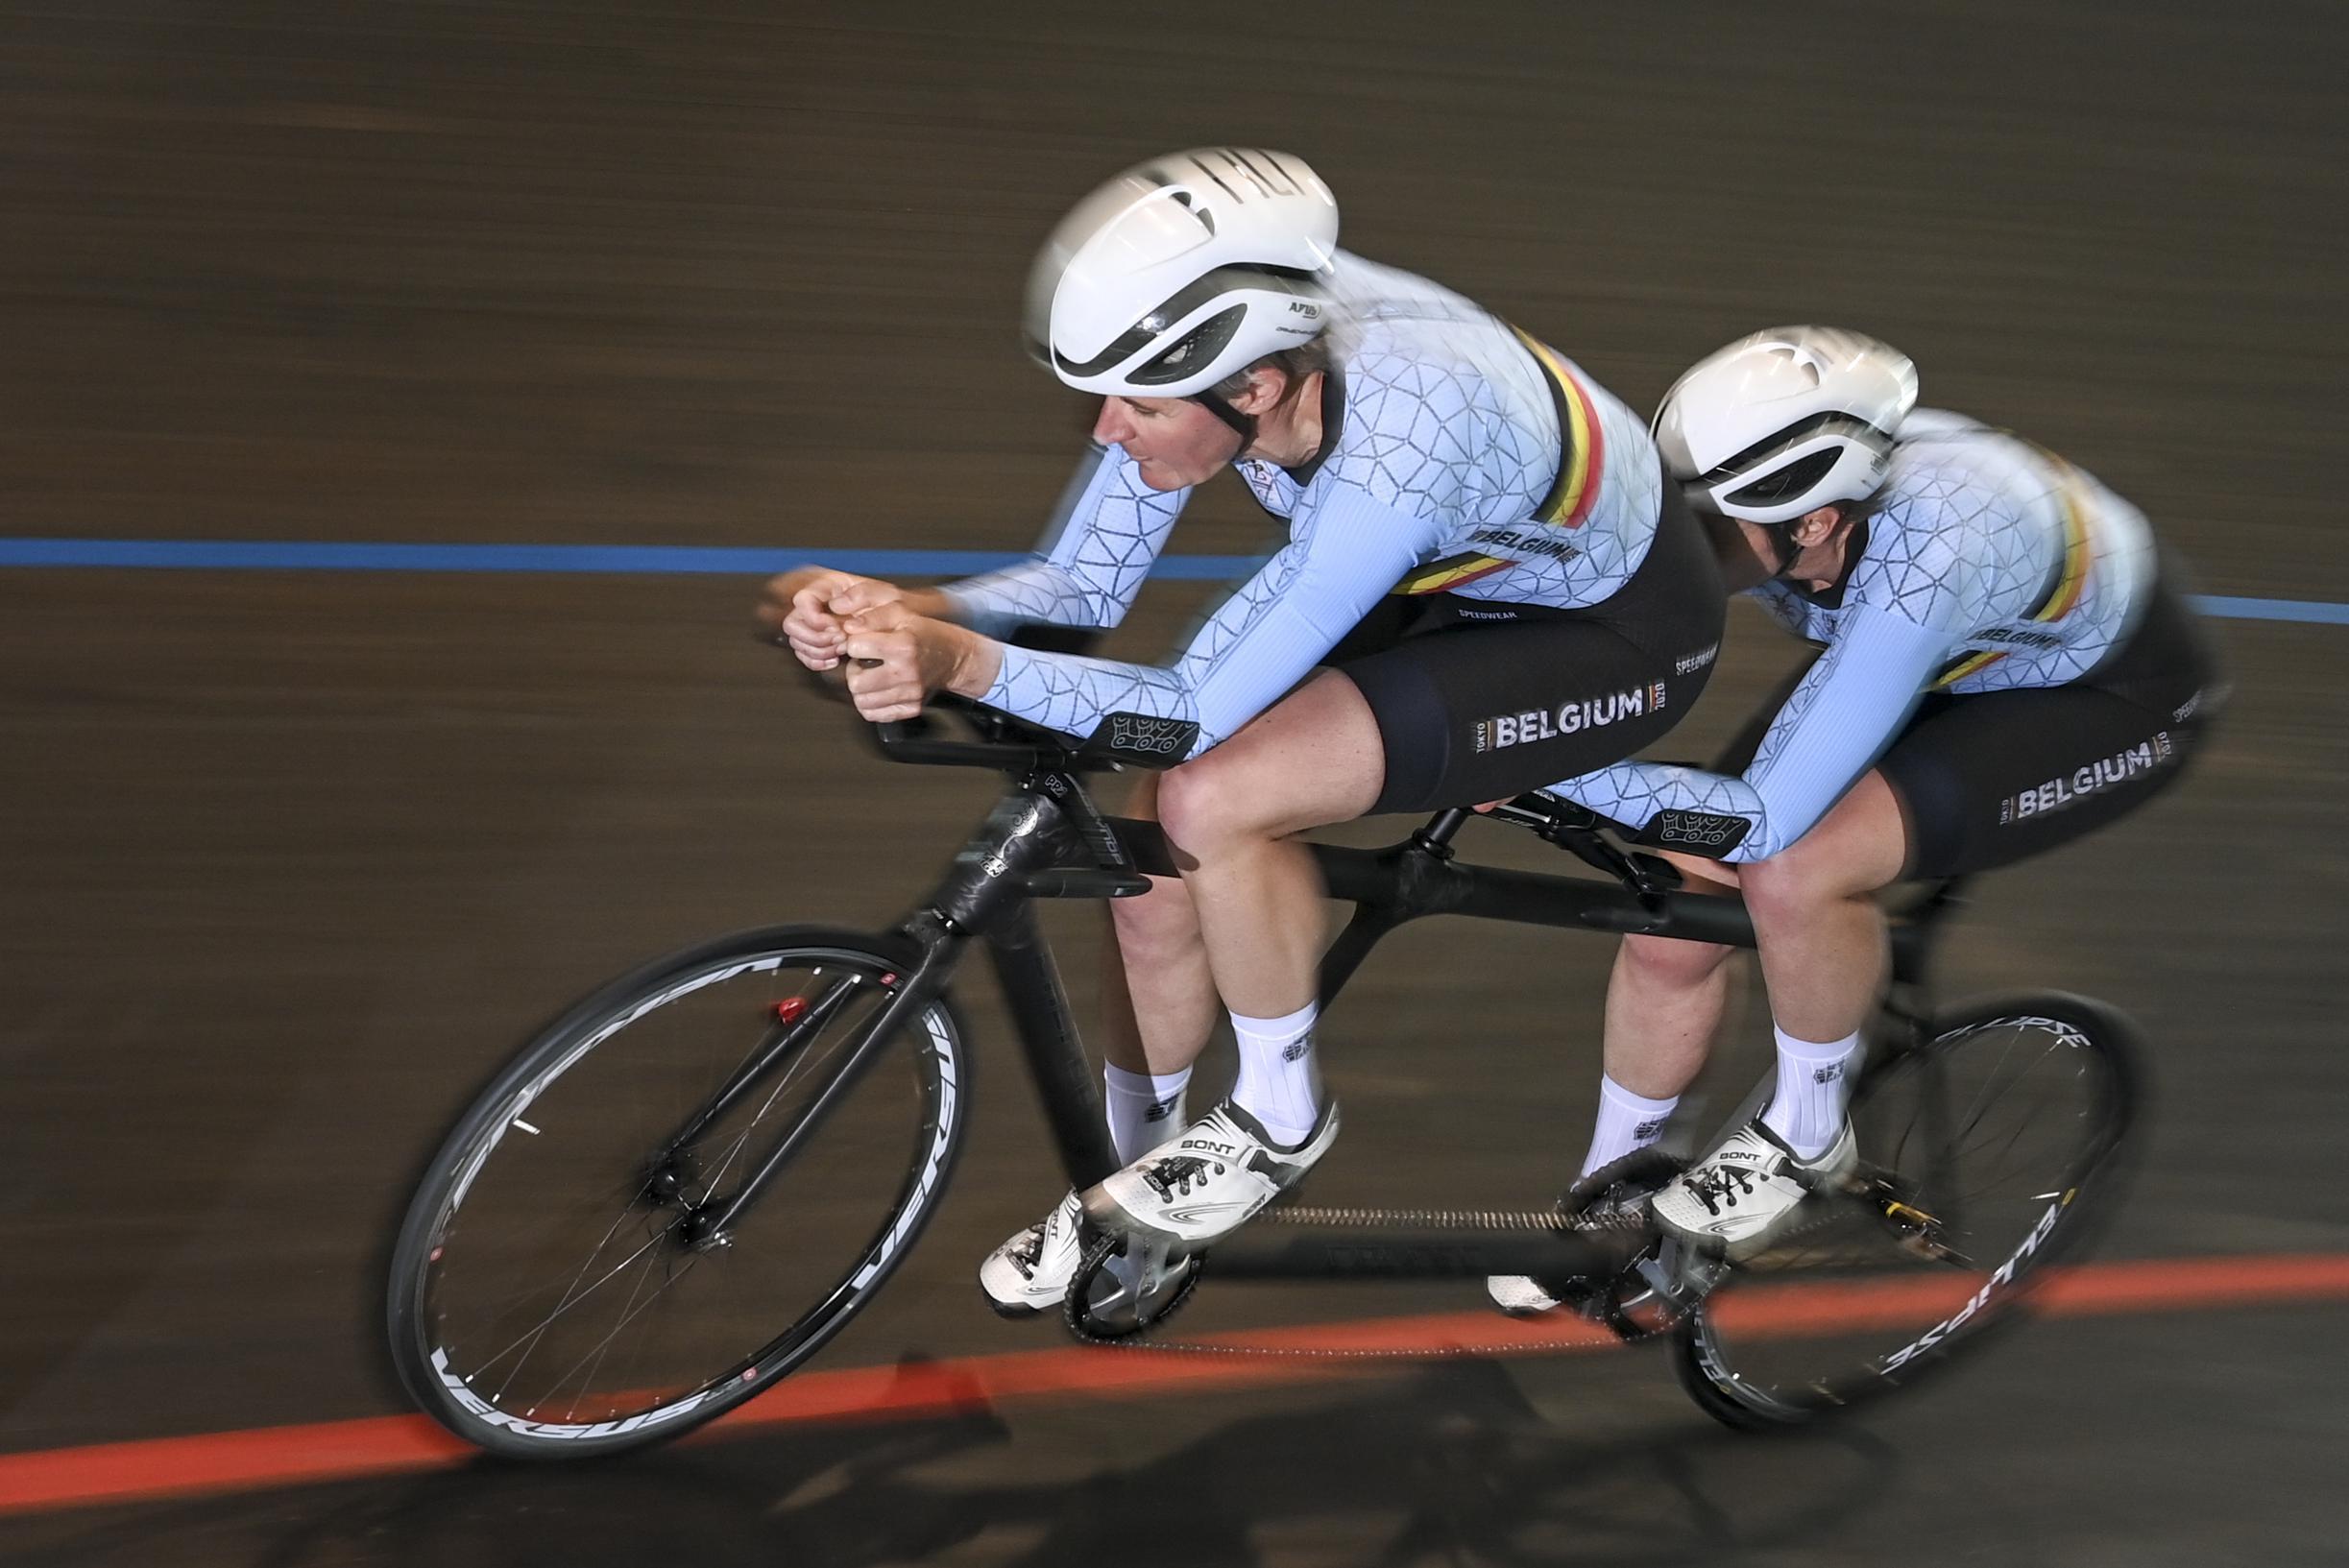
(1243, 425)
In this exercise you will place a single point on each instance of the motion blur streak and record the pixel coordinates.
(383, 1445)
(306, 555)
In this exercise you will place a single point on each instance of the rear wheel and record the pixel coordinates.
(1986, 1151)
(559, 1290)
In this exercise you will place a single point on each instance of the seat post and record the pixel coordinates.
(1438, 832)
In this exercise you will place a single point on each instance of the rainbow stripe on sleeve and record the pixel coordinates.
(1581, 471)
(2069, 584)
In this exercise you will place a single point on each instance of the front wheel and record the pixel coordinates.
(561, 1287)
(1987, 1150)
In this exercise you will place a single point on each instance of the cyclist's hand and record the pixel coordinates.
(799, 608)
(864, 593)
(898, 658)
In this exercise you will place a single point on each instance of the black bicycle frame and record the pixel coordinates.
(1045, 839)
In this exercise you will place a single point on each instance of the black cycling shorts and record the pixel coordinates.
(1477, 701)
(1986, 779)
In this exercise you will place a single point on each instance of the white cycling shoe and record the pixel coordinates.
(1743, 1195)
(1201, 1187)
(1031, 1273)
(1521, 1295)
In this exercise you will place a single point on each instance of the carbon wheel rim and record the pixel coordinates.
(1980, 1154)
(562, 1301)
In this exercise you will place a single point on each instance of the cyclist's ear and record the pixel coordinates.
(1267, 385)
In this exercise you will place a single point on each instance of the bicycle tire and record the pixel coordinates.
(447, 1246)
(1748, 1360)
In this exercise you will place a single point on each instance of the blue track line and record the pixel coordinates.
(302, 555)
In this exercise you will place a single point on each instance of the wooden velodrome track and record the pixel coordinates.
(292, 857)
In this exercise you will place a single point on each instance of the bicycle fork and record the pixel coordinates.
(984, 889)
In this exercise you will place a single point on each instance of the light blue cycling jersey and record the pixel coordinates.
(1990, 565)
(1437, 469)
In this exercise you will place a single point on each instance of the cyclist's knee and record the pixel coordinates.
(1669, 964)
(1805, 876)
(1203, 804)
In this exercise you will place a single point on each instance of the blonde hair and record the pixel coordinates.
(1297, 364)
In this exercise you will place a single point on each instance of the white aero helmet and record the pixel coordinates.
(1786, 422)
(1183, 270)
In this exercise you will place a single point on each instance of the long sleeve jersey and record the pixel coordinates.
(1989, 565)
(1458, 455)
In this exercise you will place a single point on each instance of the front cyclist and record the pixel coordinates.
(2003, 668)
(1519, 595)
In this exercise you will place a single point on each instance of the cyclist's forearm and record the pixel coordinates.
(937, 603)
(1339, 561)
(1668, 807)
(1846, 709)
(1106, 530)
(978, 664)
(1033, 591)
(1078, 696)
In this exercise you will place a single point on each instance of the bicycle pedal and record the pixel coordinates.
(1126, 1287)
(1681, 1276)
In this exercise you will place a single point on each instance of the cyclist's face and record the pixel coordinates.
(1177, 441)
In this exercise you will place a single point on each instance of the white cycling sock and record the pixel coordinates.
(1280, 1084)
(1627, 1123)
(1814, 1085)
(1145, 1108)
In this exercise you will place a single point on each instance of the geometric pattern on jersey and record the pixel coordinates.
(1448, 442)
(1082, 576)
(2011, 550)
(1450, 415)
(1989, 565)
(1571, 495)
(2070, 578)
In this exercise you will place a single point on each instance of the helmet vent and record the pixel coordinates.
(1189, 203)
(1791, 480)
(1800, 431)
(1203, 341)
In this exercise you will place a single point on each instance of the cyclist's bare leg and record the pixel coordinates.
(1313, 758)
(1664, 1004)
(1158, 998)
(1825, 946)
(1158, 1011)
(1665, 998)
(1823, 938)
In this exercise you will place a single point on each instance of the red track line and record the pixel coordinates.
(134, 1472)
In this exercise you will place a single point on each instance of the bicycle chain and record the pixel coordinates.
(1497, 1219)
(1446, 1219)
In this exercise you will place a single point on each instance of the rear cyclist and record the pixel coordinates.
(1482, 552)
(2003, 668)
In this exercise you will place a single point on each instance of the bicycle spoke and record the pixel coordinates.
(742, 1140)
(546, 1306)
(539, 1328)
(629, 1311)
(1990, 1128)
